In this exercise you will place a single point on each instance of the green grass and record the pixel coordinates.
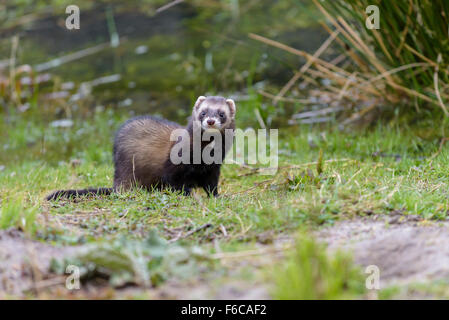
(310, 274)
(410, 37)
(14, 213)
(367, 172)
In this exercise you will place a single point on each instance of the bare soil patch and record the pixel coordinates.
(405, 248)
(25, 271)
(24, 263)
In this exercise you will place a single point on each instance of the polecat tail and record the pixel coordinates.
(76, 193)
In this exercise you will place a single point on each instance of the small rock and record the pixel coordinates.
(394, 220)
(141, 49)
(63, 123)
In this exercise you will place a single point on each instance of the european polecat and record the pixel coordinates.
(143, 151)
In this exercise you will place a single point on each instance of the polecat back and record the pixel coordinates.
(141, 147)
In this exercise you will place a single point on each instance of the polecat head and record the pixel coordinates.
(214, 113)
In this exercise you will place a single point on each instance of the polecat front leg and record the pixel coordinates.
(210, 185)
(175, 179)
(186, 191)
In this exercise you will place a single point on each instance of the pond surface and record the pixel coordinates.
(146, 62)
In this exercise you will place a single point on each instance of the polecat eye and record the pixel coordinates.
(221, 114)
(203, 113)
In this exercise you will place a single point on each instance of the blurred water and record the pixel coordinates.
(164, 60)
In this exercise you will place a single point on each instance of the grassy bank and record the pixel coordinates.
(374, 172)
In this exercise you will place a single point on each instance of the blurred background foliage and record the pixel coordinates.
(286, 63)
(404, 62)
(162, 59)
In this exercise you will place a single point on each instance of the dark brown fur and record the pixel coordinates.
(142, 158)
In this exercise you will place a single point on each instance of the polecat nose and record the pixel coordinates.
(210, 121)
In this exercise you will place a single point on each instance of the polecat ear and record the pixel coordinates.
(231, 105)
(199, 101)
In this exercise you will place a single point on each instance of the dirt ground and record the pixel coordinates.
(24, 263)
(404, 248)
